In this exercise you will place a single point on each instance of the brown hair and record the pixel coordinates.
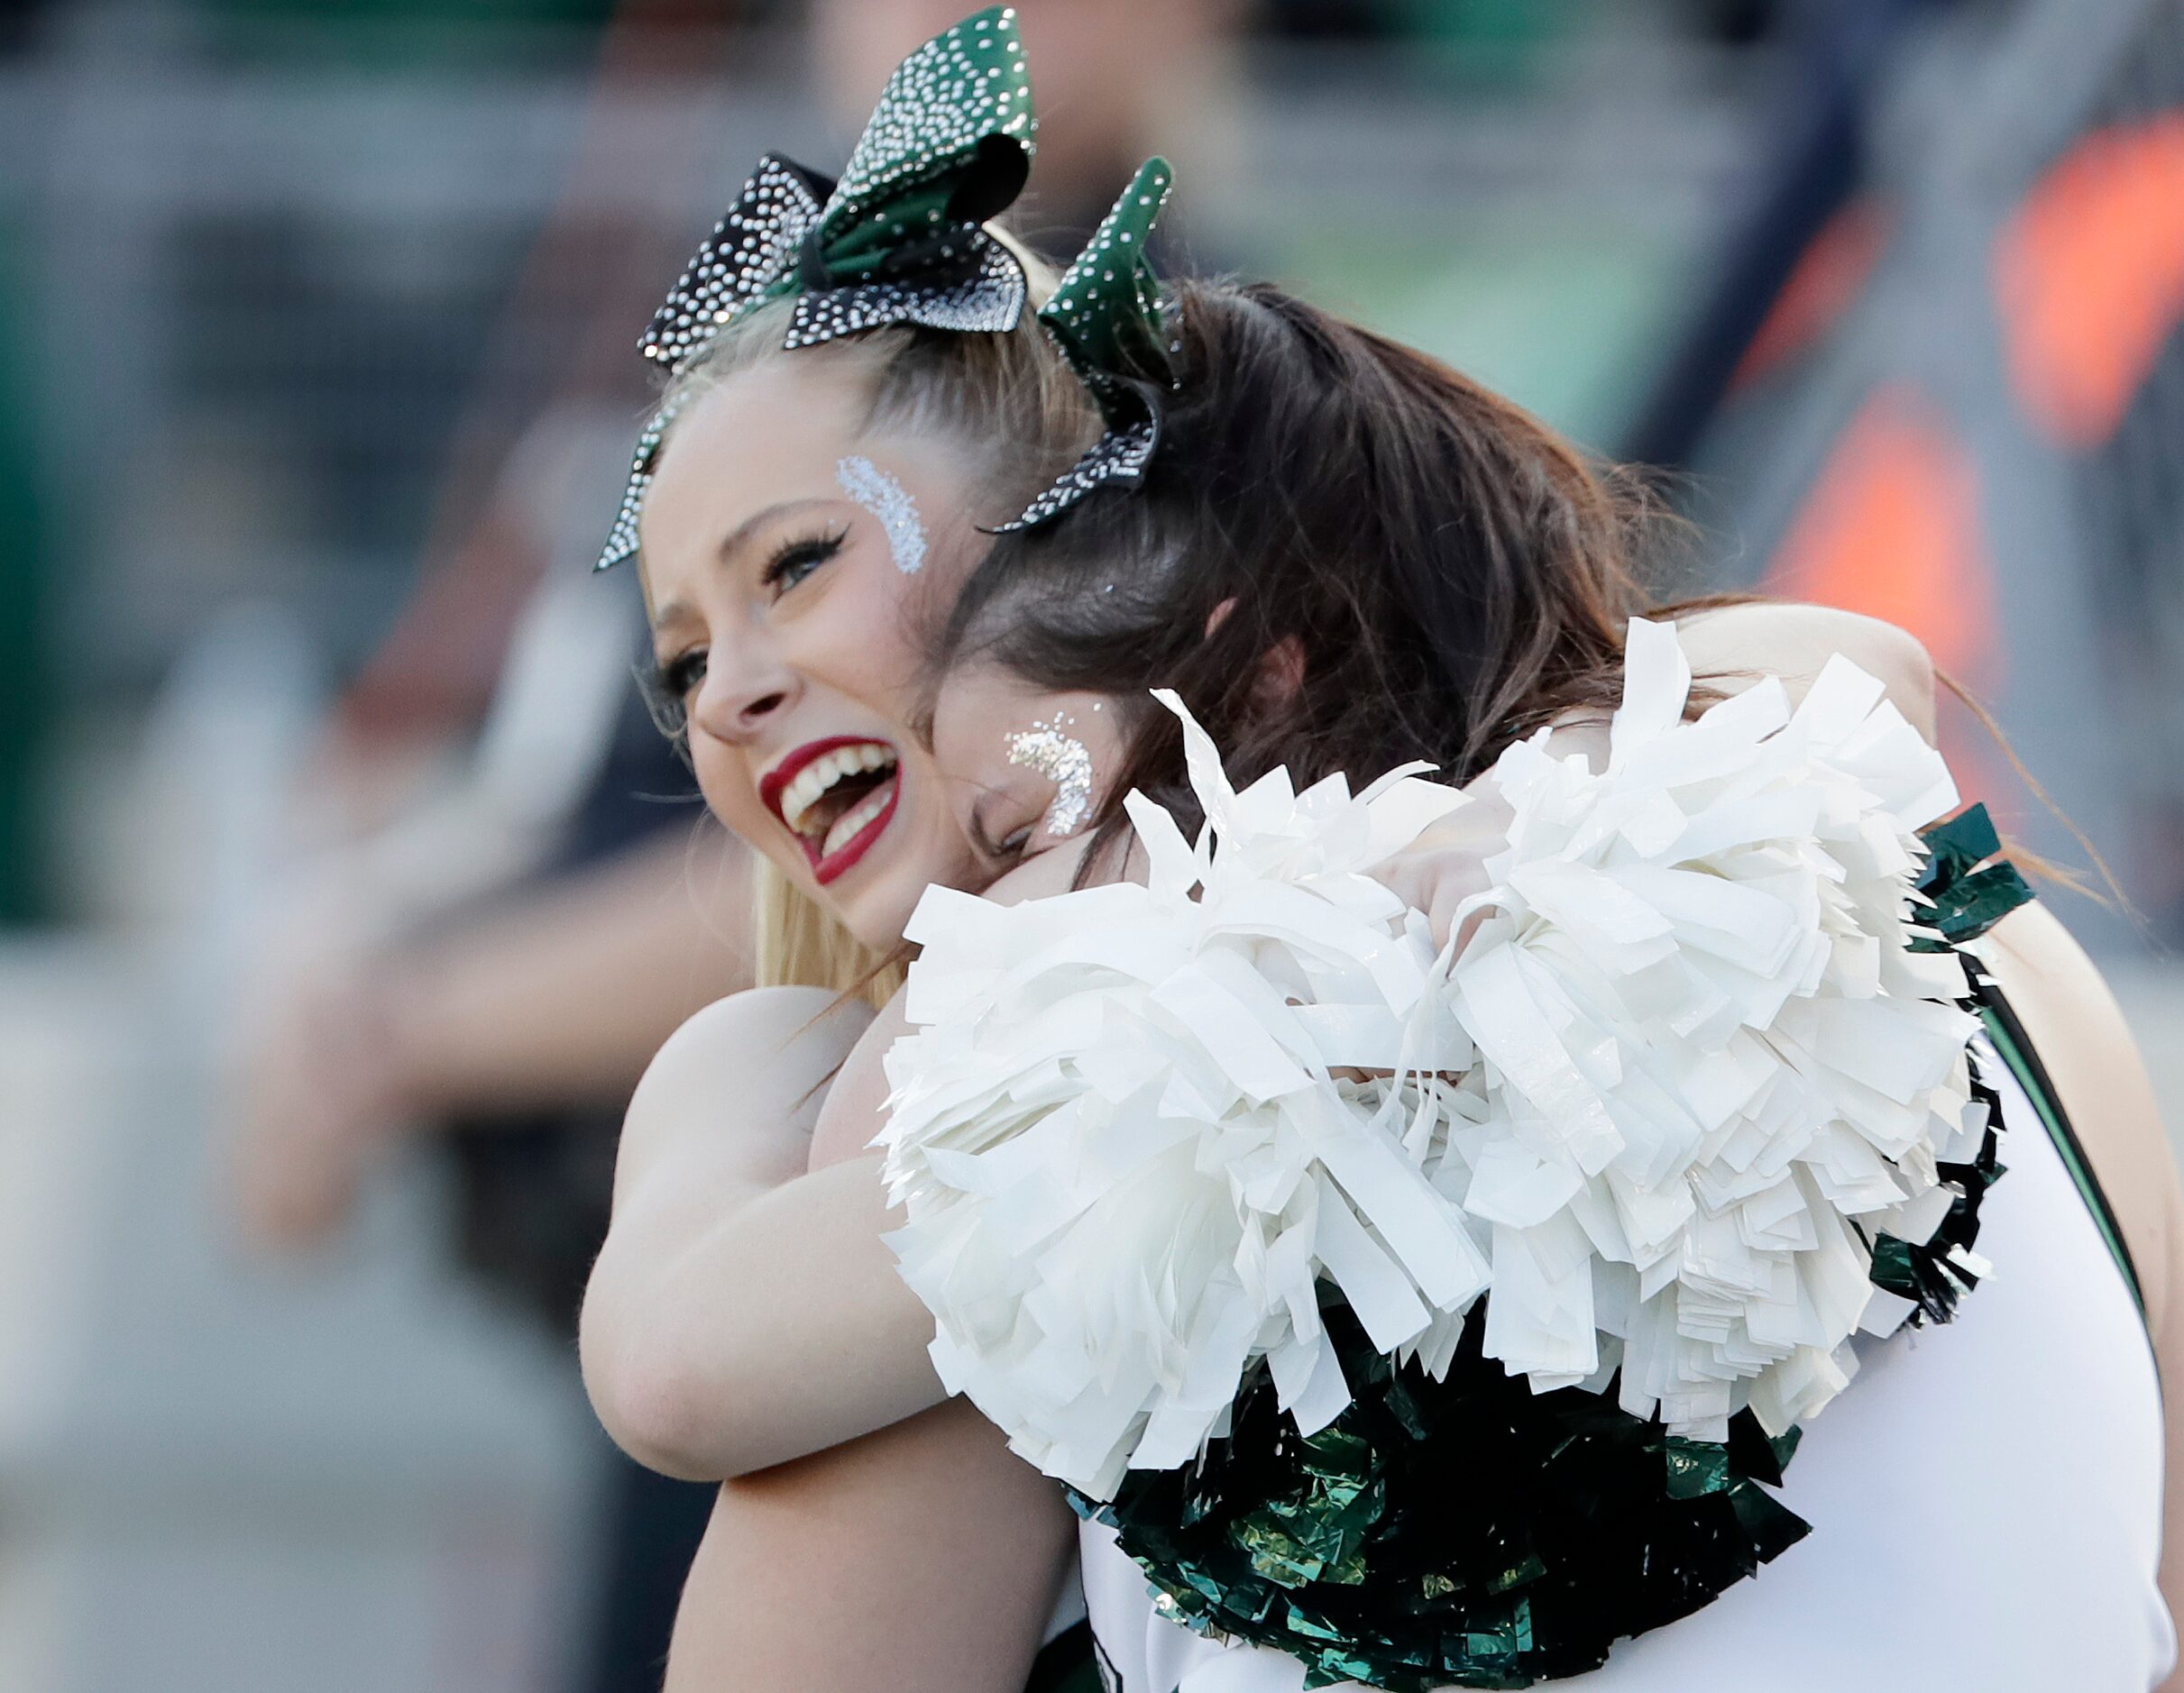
(1450, 572)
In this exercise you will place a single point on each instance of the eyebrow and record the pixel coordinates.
(732, 542)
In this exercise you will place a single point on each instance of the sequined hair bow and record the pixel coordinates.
(897, 240)
(1116, 325)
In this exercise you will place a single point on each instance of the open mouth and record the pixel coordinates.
(836, 797)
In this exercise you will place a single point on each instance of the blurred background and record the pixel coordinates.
(345, 888)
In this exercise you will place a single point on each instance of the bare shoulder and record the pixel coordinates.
(2086, 1044)
(855, 1104)
(766, 1049)
(756, 1026)
(1794, 641)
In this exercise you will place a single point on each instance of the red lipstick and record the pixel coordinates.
(775, 783)
(838, 861)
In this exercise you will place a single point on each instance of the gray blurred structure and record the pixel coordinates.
(272, 294)
(2085, 542)
(269, 296)
(221, 1473)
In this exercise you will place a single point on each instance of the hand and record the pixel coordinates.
(1446, 864)
(320, 1097)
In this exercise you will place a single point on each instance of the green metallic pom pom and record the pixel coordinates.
(1465, 1531)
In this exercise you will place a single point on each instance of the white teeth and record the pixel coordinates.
(855, 820)
(823, 771)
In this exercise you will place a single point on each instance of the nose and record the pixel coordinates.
(746, 685)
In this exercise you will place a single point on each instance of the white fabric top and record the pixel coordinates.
(1984, 1501)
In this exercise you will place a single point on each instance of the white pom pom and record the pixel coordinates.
(1701, 1069)
(1708, 1050)
(1127, 1165)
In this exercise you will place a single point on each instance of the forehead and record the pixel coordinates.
(773, 432)
(975, 701)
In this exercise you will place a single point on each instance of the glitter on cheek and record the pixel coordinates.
(1064, 761)
(888, 501)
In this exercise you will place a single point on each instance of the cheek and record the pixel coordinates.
(937, 852)
(933, 840)
(724, 778)
(864, 638)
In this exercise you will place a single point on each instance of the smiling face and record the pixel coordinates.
(1023, 768)
(791, 562)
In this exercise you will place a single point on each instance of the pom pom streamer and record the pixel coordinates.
(1241, 1210)
(1713, 1062)
(1125, 1158)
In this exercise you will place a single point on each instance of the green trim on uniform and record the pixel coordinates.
(2016, 1049)
(1066, 1664)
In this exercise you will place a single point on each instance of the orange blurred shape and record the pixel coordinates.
(2089, 277)
(1829, 275)
(1890, 529)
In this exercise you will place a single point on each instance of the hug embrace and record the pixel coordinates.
(1343, 1097)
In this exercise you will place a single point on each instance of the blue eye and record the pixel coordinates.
(798, 559)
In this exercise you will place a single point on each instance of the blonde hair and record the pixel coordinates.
(1024, 418)
(797, 943)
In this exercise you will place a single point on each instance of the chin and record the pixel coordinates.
(876, 916)
(854, 831)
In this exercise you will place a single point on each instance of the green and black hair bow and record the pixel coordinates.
(898, 240)
(1117, 326)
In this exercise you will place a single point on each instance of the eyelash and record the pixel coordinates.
(1013, 847)
(667, 689)
(681, 673)
(811, 552)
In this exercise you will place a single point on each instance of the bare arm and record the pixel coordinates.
(1733, 645)
(924, 1558)
(717, 1276)
(743, 1312)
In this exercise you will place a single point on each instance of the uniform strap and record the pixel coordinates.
(1066, 1663)
(2016, 1050)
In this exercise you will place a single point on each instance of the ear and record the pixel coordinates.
(1280, 675)
(1280, 666)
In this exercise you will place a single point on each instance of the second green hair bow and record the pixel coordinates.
(1116, 325)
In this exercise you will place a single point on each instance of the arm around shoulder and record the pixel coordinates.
(721, 1118)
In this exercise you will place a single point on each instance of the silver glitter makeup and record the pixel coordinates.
(1064, 761)
(888, 501)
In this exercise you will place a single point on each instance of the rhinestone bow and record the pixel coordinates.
(1116, 325)
(898, 240)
